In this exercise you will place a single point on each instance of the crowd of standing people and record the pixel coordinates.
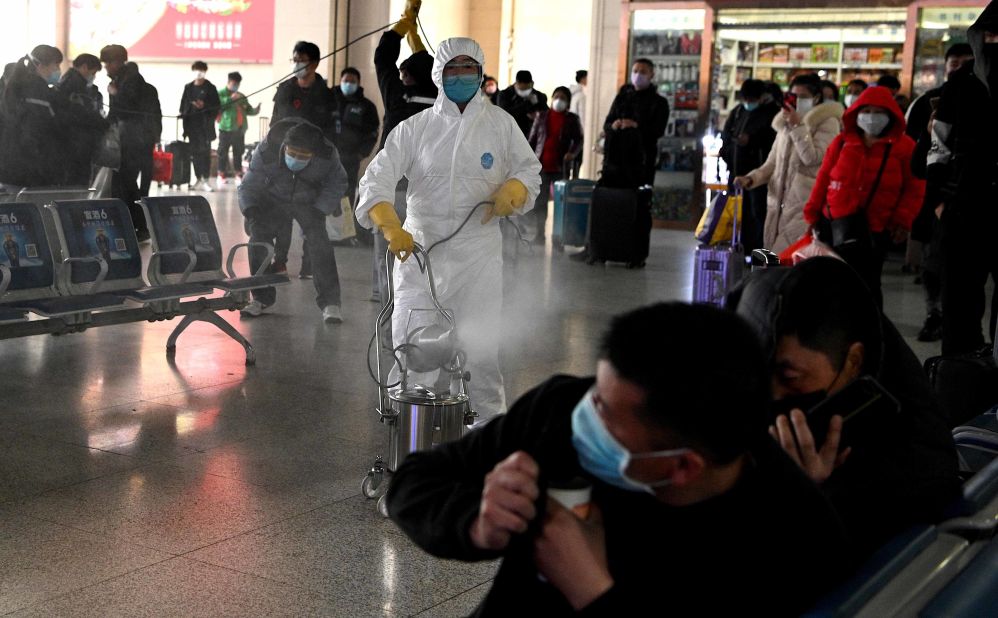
(865, 177)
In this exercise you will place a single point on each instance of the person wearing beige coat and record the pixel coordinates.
(802, 137)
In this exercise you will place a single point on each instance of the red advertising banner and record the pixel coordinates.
(233, 30)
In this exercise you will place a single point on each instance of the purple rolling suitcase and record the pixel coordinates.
(717, 268)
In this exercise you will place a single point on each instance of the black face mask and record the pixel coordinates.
(800, 401)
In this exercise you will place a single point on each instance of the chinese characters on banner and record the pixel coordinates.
(236, 30)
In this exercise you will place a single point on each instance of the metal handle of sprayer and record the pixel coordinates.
(422, 257)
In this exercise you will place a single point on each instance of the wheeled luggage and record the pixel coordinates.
(620, 225)
(181, 173)
(570, 225)
(717, 268)
(965, 384)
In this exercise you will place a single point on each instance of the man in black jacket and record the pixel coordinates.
(198, 107)
(78, 83)
(633, 126)
(135, 107)
(747, 138)
(305, 95)
(355, 125)
(824, 331)
(686, 489)
(926, 230)
(406, 90)
(85, 124)
(522, 101)
(636, 120)
(33, 120)
(963, 162)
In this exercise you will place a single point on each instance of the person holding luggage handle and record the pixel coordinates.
(556, 137)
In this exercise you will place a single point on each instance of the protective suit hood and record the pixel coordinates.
(988, 21)
(450, 49)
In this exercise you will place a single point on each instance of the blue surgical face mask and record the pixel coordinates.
(348, 88)
(461, 88)
(295, 165)
(750, 106)
(601, 455)
(53, 78)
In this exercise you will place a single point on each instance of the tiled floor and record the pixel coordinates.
(130, 486)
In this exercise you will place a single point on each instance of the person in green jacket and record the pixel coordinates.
(232, 128)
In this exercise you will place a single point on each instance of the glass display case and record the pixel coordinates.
(938, 28)
(673, 39)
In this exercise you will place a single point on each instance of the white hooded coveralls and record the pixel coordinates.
(453, 161)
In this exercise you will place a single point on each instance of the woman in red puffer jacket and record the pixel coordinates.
(873, 129)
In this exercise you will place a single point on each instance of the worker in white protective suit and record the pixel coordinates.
(456, 154)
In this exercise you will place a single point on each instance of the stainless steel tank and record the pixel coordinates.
(417, 416)
(420, 419)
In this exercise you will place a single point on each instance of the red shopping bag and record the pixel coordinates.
(787, 255)
(162, 165)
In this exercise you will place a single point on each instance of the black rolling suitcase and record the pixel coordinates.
(620, 225)
(965, 385)
(181, 152)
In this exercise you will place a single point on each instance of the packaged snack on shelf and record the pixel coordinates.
(766, 54)
(800, 54)
(875, 55)
(825, 52)
(781, 53)
(888, 55)
(855, 55)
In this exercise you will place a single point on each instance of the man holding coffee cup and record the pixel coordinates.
(691, 507)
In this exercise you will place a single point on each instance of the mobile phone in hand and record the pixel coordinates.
(790, 101)
(865, 407)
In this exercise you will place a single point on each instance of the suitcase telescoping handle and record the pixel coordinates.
(735, 228)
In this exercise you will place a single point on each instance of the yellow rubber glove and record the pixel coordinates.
(400, 242)
(408, 22)
(510, 197)
(404, 26)
(412, 8)
(415, 43)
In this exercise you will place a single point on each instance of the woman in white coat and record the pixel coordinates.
(802, 137)
(456, 154)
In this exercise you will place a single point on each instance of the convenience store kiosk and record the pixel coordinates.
(703, 51)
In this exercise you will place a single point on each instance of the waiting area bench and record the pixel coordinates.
(68, 265)
(950, 569)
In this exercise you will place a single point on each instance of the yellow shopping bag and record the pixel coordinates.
(719, 223)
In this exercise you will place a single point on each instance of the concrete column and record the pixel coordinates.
(604, 52)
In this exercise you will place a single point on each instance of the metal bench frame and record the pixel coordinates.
(107, 302)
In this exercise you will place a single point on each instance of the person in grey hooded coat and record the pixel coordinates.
(295, 174)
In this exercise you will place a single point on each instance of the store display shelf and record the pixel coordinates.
(798, 65)
(872, 67)
(674, 58)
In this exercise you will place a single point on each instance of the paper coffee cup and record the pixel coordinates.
(574, 495)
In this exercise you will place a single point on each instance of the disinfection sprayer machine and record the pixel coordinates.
(418, 415)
